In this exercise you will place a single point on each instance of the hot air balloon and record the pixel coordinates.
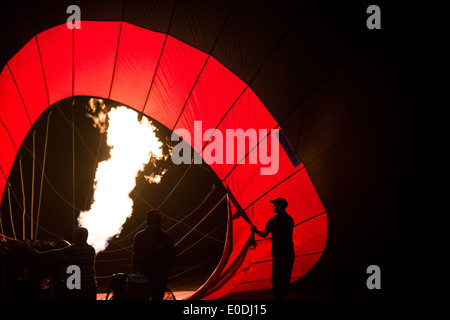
(321, 81)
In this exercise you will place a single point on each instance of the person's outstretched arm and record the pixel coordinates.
(264, 233)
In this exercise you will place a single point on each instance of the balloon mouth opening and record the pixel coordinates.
(190, 198)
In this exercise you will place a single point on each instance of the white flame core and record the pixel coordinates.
(132, 143)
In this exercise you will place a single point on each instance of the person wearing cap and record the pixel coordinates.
(281, 227)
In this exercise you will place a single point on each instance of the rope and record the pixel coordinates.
(1, 213)
(32, 186)
(42, 174)
(10, 211)
(120, 249)
(23, 198)
(200, 221)
(1, 223)
(51, 185)
(123, 247)
(194, 267)
(180, 221)
(169, 217)
(77, 131)
(73, 169)
(173, 189)
(195, 243)
(20, 206)
(94, 168)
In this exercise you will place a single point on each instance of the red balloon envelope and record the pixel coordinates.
(175, 84)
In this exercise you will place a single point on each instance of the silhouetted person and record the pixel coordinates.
(55, 262)
(153, 255)
(81, 254)
(281, 227)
